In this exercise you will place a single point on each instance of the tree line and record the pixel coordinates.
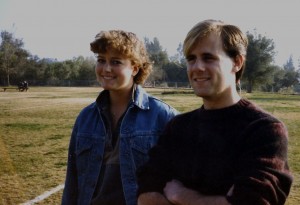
(17, 64)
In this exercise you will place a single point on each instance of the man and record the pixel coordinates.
(229, 151)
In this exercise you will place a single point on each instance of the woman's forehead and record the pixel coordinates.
(112, 54)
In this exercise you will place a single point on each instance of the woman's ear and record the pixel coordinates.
(135, 70)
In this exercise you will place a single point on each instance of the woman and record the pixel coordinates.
(112, 136)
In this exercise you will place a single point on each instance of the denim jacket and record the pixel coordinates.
(141, 126)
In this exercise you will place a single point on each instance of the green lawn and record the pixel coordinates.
(35, 128)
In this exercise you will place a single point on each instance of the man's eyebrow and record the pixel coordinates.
(190, 55)
(207, 54)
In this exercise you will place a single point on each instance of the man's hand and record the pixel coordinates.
(152, 198)
(178, 194)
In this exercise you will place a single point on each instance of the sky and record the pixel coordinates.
(63, 29)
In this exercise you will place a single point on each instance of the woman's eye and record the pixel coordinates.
(116, 62)
(100, 60)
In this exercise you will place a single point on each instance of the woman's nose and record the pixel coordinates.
(107, 67)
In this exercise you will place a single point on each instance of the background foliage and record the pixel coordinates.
(17, 64)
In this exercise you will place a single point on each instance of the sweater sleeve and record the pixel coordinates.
(263, 175)
(153, 175)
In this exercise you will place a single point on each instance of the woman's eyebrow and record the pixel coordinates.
(116, 58)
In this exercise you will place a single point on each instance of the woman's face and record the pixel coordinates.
(115, 72)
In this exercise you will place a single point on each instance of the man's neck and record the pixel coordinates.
(222, 101)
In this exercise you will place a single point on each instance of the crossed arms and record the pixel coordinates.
(176, 193)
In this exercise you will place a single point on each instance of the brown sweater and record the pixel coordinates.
(211, 150)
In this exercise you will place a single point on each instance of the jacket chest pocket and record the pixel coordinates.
(84, 149)
(140, 145)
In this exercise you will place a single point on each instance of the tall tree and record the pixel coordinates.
(86, 72)
(158, 56)
(289, 65)
(12, 55)
(175, 72)
(274, 84)
(291, 75)
(50, 74)
(176, 69)
(260, 54)
(35, 69)
(179, 56)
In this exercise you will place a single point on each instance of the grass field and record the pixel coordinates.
(35, 128)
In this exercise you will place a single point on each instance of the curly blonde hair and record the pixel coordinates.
(128, 45)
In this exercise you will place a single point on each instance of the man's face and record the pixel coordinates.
(210, 70)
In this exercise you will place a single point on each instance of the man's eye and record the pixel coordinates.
(208, 58)
(190, 58)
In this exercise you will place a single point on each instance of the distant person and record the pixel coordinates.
(111, 137)
(228, 151)
(20, 85)
(25, 84)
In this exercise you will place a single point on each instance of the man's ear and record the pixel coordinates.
(238, 63)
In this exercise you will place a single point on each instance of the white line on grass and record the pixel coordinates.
(25, 108)
(44, 195)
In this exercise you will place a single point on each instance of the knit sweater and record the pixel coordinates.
(212, 150)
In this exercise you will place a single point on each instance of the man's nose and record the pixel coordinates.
(198, 65)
